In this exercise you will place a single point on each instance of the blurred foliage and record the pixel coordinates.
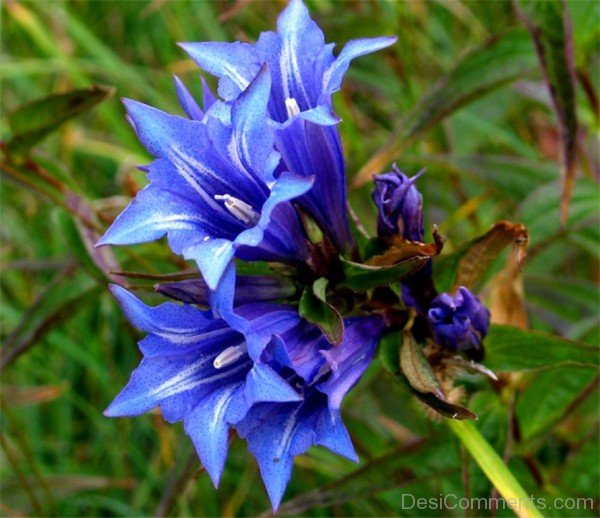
(462, 93)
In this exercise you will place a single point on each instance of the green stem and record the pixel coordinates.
(493, 467)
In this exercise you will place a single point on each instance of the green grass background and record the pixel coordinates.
(494, 158)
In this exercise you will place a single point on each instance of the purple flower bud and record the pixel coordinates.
(400, 205)
(458, 323)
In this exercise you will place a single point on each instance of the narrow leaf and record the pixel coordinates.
(33, 121)
(497, 62)
(59, 301)
(550, 28)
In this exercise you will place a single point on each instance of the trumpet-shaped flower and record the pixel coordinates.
(212, 186)
(198, 370)
(305, 75)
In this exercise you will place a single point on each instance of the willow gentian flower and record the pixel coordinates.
(460, 322)
(198, 370)
(305, 75)
(212, 186)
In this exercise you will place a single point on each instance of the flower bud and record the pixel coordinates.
(458, 323)
(400, 206)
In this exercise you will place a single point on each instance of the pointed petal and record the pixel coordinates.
(157, 379)
(236, 64)
(150, 215)
(208, 98)
(263, 384)
(175, 329)
(275, 434)
(301, 41)
(254, 138)
(213, 257)
(187, 102)
(208, 428)
(331, 433)
(332, 80)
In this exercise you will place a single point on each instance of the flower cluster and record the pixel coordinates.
(247, 176)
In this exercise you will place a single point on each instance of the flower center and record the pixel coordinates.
(229, 356)
(292, 108)
(240, 209)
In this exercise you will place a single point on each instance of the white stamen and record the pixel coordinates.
(240, 209)
(291, 106)
(229, 356)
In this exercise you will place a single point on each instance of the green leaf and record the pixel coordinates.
(494, 468)
(540, 212)
(58, 302)
(389, 353)
(314, 308)
(497, 62)
(548, 396)
(33, 121)
(471, 262)
(511, 349)
(550, 28)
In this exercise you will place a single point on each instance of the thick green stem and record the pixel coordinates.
(494, 468)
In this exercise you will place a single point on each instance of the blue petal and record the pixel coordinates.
(236, 64)
(287, 187)
(152, 214)
(173, 328)
(175, 383)
(254, 139)
(208, 98)
(275, 434)
(208, 428)
(213, 257)
(332, 79)
(263, 384)
(331, 433)
(349, 360)
(301, 41)
(206, 168)
(300, 348)
(312, 149)
(258, 322)
(187, 102)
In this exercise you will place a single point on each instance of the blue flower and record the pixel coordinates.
(200, 371)
(212, 186)
(400, 206)
(305, 75)
(459, 323)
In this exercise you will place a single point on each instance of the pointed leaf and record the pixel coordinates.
(33, 121)
(497, 62)
(550, 28)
